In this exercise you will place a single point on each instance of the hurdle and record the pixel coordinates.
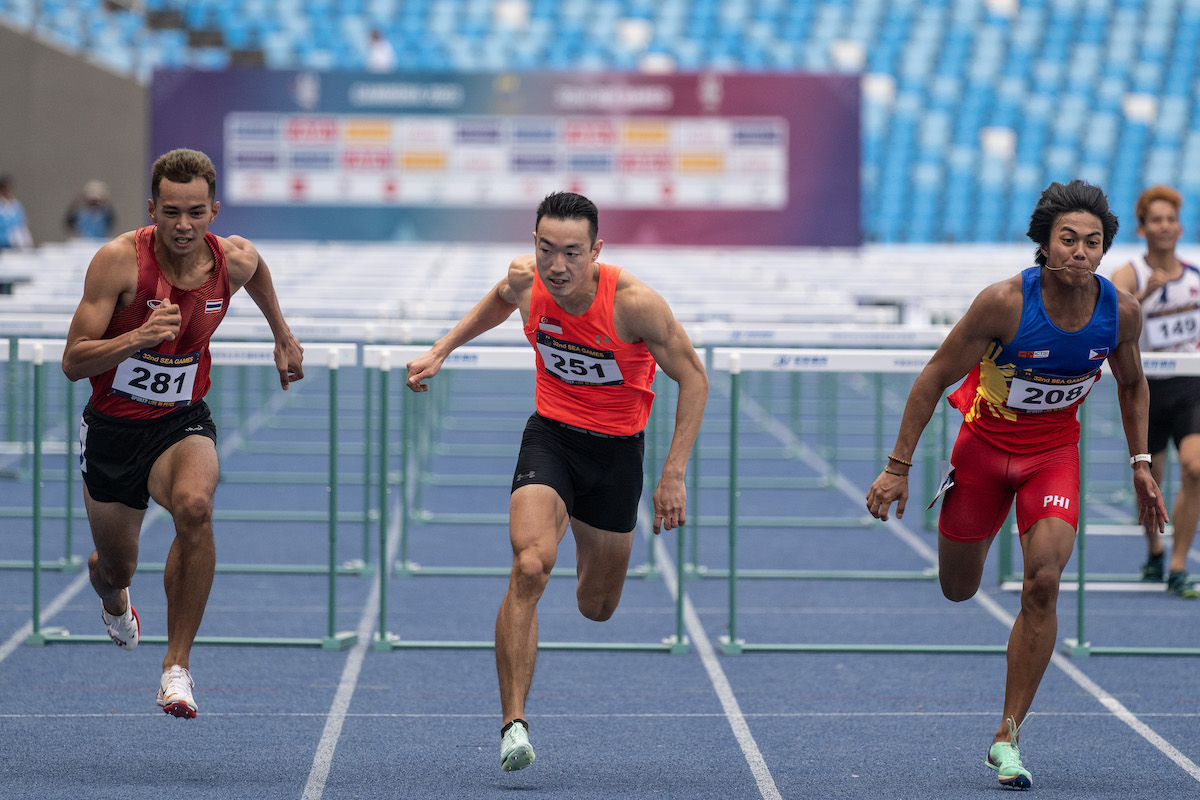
(502, 358)
(735, 362)
(16, 441)
(39, 351)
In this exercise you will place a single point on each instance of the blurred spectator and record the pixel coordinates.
(91, 214)
(14, 226)
(381, 56)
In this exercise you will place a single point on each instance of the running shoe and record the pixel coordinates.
(1005, 758)
(1179, 585)
(1152, 570)
(124, 630)
(515, 750)
(175, 693)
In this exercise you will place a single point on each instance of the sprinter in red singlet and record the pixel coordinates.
(151, 301)
(1030, 348)
(598, 334)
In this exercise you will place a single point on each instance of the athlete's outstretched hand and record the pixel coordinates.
(289, 360)
(421, 368)
(887, 489)
(1152, 513)
(670, 504)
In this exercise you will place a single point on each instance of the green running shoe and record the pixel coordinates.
(515, 750)
(1179, 585)
(1152, 570)
(1005, 758)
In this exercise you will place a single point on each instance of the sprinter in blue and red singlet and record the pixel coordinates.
(152, 299)
(598, 334)
(1030, 348)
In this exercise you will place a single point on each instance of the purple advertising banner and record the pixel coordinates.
(682, 159)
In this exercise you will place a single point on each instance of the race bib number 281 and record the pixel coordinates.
(157, 379)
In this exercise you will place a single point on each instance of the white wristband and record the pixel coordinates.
(1139, 457)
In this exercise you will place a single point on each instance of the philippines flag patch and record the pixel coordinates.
(213, 306)
(1098, 353)
(549, 324)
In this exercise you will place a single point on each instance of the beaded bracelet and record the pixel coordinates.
(900, 461)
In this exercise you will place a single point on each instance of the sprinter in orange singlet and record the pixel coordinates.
(598, 334)
(152, 299)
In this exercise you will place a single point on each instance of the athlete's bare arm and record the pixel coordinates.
(511, 293)
(641, 314)
(247, 268)
(109, 287)
(1133, 395)
(995, 314)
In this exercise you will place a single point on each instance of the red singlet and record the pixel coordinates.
(153, 382)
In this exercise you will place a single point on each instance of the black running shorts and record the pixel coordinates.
(116, 455)
(597, 475)
(1174, 410)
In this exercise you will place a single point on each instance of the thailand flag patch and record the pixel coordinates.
(213, 306)
(549, 324)
(1098, 353)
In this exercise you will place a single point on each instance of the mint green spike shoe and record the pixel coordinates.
(515, 750)
(1005, 758)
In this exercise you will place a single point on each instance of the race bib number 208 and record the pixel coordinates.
(1031, 392)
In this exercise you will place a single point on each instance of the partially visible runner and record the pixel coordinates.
(1030, 348)
(1168, 289)
(152, 298)
(598, 333)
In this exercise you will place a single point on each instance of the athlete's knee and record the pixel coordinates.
(958, 590)
(531, 570)
(116, 572)
(1039, 590)
(596, 607)
(1189, 472)
(192, 511)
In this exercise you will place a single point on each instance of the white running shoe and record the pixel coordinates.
(515, 750)
(124, 630)
(175, 693)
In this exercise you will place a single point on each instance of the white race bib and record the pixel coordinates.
(157, 379)
(1031, 392)
(578, 364)
(1169, 328)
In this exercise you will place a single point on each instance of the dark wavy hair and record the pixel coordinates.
(1063, 198)
(568, 205)
(183, 166)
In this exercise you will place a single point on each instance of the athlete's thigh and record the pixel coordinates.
(1048, 486)
(116, 527)
(975, 507)
(601, 557)
(189, 466)
(537, 517)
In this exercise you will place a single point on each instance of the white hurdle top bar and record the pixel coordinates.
(336, 354)
(1155, 365)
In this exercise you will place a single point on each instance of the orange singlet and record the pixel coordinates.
(587, 376)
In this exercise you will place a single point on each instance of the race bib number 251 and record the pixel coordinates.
(578, 364)
(157, 379)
